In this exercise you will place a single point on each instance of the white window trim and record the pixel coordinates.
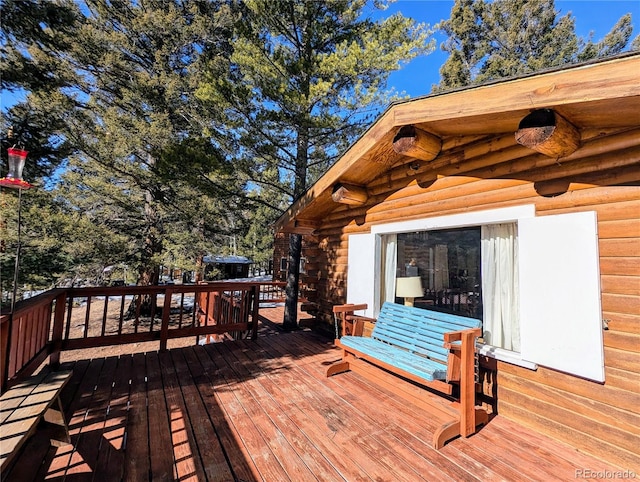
(507, 356)
(584, 226)
(474, 218)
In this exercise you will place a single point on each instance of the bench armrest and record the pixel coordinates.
(352, 324)
(454, 336)
(357, 325)
(350, 308)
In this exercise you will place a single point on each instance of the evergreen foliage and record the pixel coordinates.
(306, 78)
(117, 85)
(489, 40)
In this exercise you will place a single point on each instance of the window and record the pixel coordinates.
(533, 311)
(462, 270)
(448, 264)
(284, 264)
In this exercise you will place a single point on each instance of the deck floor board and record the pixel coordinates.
(136, 443)
(264, 411)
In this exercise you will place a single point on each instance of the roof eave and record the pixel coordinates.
(596, 81)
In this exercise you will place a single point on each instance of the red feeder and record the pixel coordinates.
(13, 179)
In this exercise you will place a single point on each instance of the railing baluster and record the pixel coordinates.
(256, 308)
(47, 325)
(44, 323)
(69, 309)
(29, 321)
(208, 308)
(166, 315)
(104, 315)
(121, 318)
(138, 299)
(181, 309)
(18, 331)
(196, 307)
(154, 301)
(86, 317)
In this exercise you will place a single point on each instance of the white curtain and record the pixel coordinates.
(500, 286)
(390, 256)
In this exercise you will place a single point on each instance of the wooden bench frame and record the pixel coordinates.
(458, 416)
(25, 405)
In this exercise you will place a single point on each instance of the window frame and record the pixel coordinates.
(462, 220)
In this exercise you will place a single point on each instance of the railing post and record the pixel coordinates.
(58, 327)
(256, 306)
(166, 313)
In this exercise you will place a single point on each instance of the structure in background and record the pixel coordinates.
(226, 267)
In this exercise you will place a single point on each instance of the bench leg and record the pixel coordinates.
(445, 433)
(57, 425)
(338, 367)
(452, 429)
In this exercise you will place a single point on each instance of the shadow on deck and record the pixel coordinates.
(263, 410)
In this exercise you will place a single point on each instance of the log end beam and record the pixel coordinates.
(349, 194)
(413, 142)
(548, 133)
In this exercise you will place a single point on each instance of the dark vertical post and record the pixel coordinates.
(291, 303)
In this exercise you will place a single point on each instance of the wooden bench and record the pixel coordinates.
(417, 354)
(25, 405)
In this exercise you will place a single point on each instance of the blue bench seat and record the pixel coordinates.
(427, 347)
(420, 366)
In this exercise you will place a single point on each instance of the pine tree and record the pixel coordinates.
(307, 77)
(120, 78)
(489, 40)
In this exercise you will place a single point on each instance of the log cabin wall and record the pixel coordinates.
(280, 252)
(309, 277)
(474, 173)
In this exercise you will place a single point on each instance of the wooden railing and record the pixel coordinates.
(272, 292)
(74, 318)
(24, 337)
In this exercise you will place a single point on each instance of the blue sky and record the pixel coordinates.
(416, 78)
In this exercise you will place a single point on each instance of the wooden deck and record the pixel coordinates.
(263, 410)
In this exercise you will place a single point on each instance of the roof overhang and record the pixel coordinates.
(601, 95)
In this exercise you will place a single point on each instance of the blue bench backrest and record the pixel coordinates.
(417, 330)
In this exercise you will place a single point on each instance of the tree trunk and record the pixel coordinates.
(290, 321)
(149, 272)
(293, 277)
